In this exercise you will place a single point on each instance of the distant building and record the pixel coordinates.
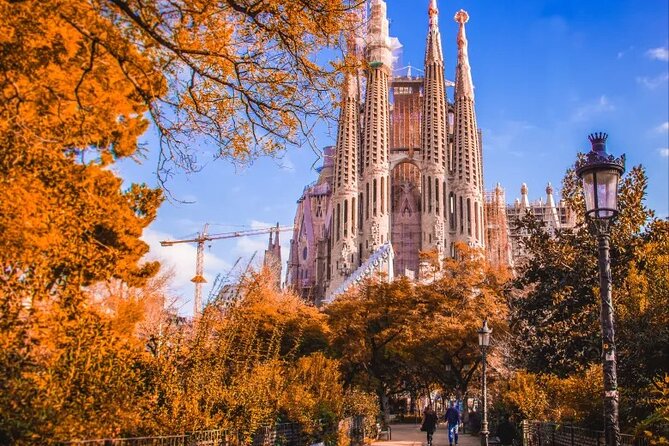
(553, 215)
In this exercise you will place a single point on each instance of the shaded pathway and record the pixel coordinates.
(410, 435)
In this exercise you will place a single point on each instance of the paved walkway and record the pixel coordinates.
(410, 435)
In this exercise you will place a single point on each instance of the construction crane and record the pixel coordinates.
(203, 237)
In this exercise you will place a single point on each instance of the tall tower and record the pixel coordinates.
(434, 139)
(466, 199)
(344, 226)
(375, 163)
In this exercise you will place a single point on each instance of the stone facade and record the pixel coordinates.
(405, 175)
(554, 215)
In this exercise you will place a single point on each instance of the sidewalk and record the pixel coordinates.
(410, 435)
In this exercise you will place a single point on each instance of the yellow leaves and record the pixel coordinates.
(550, 398)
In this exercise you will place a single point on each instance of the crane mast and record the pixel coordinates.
(203, 237)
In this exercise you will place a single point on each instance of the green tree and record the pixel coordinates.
(555, 297)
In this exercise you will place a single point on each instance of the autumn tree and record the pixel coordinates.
(402, 336)
(244, 366)
(444, 345)
(66, 222)
(369, 328)
(547, 397)
(241, 77)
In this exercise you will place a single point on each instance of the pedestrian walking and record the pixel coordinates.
(452, 418)
(429, 423)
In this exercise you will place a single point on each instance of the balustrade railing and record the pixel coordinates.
(282, 434)
(536, 433)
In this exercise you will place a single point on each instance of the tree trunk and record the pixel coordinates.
(383, 401)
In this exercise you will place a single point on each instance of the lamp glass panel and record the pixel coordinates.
(484, 338)
(607, 197)
(589, 190)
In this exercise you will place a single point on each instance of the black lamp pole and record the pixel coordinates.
(484, 342)
(600, 173)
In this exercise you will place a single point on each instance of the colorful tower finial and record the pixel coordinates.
(463, 74)
(461, 17)
(433, 12)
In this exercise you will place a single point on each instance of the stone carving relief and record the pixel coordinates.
(376, 236)
(439, 236)
(345, 259)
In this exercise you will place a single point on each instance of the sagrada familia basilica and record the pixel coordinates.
(405, 175)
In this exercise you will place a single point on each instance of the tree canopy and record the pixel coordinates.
(555, 297)
(403, 336)
(241, 77)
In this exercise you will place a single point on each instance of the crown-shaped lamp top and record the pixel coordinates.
(598, 141)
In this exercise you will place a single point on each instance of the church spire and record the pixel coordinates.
(344, 223)
(467, 172)
(434, 138)
(553, 220)
(375, 158)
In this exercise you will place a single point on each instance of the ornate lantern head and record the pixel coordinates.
(484, 335)
(600, 174)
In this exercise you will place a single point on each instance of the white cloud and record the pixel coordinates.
(653, 82)
(588, 110)
(285, 163)
(662, 128)
(506, 136)
(257, 224)
(664, 152)
(658, 54)
(623, 53)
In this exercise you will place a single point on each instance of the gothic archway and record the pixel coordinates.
(405, 197)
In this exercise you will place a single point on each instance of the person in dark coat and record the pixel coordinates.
(506, 432)
(429, 423)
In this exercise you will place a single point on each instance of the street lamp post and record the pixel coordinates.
(600, 174)
(484, 342)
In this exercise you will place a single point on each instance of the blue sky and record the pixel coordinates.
(546, 73)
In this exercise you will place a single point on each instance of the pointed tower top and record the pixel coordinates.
(549, 189)
(433, 12)
(464, 87)
(524, 200)
(276, 238)
(461, 17)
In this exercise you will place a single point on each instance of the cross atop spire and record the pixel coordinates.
(433, 12)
